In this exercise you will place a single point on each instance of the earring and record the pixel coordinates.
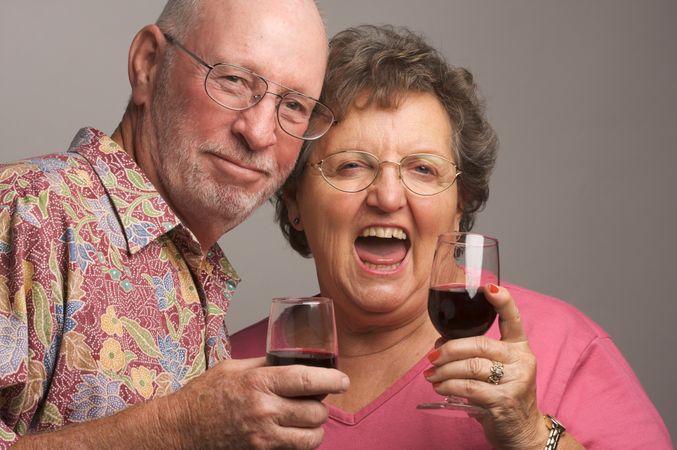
(296, 221)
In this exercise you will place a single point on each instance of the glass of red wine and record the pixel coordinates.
(302, 331)
(463, 264)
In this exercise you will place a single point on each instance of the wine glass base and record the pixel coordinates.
(470, 409)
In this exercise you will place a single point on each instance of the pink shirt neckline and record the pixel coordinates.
(349, 418)
(416, 370)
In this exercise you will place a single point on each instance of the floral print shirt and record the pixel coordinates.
(106, 299)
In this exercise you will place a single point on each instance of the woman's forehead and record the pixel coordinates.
(418, 123)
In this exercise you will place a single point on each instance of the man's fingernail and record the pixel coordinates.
(493, 288)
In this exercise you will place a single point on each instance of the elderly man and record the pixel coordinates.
(113, 290)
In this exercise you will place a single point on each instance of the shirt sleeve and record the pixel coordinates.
(604, 405)
(13, 330)
(30, 287)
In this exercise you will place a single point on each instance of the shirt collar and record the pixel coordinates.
(141, 211)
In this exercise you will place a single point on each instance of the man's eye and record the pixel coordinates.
(295, 108)
(292, 105)
(231, 81)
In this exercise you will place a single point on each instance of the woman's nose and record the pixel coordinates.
(387, 191)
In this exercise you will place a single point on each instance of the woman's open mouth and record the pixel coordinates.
(382, 248)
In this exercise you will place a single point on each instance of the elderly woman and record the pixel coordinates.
(353, 206)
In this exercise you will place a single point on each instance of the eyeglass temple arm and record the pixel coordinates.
(173, 41)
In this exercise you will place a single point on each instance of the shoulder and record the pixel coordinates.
(584, 379)
(250, 342)
(544, 315)
(34, 190)
(559, 334)
(36, 179)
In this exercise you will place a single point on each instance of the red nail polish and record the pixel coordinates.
(493, 288)
(432, 356)
(428, 372)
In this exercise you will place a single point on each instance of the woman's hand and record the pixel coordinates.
(462, 368)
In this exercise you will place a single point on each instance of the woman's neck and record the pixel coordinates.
(374, 341)
(393, 351)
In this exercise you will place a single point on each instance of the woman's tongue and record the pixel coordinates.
(381, 251)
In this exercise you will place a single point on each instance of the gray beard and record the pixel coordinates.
(180, 172)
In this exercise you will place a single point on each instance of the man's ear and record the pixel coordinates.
(293, 214)
(145, 56)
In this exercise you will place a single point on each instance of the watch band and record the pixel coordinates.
(556, 430)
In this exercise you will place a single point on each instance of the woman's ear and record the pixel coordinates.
(145, 57)
(293, 214)
(458, 215)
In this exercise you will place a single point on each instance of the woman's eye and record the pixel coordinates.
(352, 169)
(349, 165)
(424, 170)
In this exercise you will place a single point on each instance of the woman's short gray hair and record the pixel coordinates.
(381, 64)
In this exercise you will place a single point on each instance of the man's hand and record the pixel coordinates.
(241, 404)
(235, 405)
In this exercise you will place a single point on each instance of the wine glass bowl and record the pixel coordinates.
(302, 331)
(457, 314)
(464, 263)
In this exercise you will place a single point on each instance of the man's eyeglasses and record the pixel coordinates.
(355, 171)
(237, 88)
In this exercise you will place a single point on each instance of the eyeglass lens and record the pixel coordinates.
(353, 171)
(236, 88)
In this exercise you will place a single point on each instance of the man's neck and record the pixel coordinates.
(125, 135)
(135, 137)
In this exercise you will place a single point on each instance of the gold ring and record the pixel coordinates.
(495, 373)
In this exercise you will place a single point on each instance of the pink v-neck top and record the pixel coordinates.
(582, 379)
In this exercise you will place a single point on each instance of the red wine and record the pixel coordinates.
(457, 314)
(305, 356)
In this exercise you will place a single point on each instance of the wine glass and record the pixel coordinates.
(302, 331)
(463, 264)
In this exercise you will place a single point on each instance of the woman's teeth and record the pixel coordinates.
(383, 248)
(381, 267)
(384, 232)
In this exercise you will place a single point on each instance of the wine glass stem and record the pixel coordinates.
(452, 399)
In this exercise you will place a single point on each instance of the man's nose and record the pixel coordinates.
(258, 124)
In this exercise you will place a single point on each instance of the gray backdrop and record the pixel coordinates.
(582, 94)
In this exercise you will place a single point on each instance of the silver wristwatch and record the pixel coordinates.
(556, 430)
